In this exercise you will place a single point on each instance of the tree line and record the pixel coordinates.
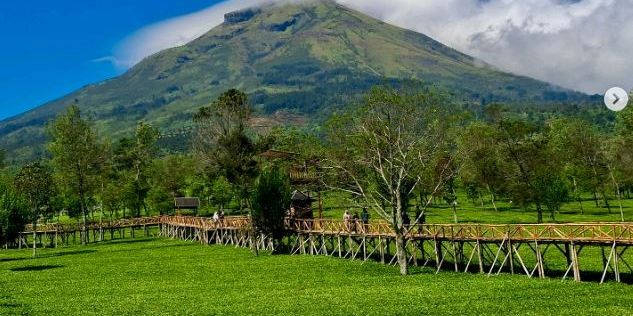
(394, 148)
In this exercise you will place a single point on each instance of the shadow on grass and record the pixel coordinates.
(154, 247)
(129, 241)
(36, 268)
(9, 306)
(51, 255)
(70, 253)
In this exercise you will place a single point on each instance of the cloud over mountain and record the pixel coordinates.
(582, 44)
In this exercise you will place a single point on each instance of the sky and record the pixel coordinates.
(51, 48)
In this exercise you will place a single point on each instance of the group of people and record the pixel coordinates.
(354, 221)
(218, 217)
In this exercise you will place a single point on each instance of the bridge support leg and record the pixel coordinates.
(455, 257)
(539, 260)
(574, 258)
(381, 250)
(511, 254)
(480, 257)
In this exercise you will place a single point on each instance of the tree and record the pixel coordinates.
(35, 183)
(142, 154)
(160, 200)
(78, 157)
(221, 192)
(168, 178)
(383, 150)
(132, 165)
(552, 190)
(222, 144)
(581, 147)
(533, 165)
(13, 215)
(172, 172)
(483, 165)
(270, 201)
(619, 155)
(112, 198)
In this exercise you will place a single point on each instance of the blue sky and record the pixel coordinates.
(48, 47)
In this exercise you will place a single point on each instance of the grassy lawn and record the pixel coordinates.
(335, 204)
(144, 276)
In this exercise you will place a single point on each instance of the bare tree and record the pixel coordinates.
(386, 148)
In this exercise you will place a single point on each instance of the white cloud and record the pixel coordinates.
(586, 45)
(176, 31)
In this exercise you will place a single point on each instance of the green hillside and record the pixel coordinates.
(302, 59)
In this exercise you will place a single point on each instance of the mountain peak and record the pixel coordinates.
(241, 15)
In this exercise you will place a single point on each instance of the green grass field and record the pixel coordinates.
(145, 276)
(335, 203)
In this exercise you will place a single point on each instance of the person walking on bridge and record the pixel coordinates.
(364, 218)
(346, 220)
(216, 218)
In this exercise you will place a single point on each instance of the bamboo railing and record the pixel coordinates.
(581, 232)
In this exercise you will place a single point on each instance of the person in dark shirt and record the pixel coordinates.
(406, 221)
(364, 218)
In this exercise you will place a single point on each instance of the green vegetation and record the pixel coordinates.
(164, 277)
(306, 59)
(270, 201)
(399, 152)
(78, 157)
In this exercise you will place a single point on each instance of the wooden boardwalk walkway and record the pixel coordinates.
(490, 249)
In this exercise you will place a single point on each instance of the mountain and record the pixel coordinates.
(298, 59)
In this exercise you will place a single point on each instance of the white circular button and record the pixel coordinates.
(616, 99)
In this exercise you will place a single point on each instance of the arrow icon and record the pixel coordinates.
(617, 99)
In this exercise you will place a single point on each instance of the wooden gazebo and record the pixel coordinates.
(186, 203)
(301, 205)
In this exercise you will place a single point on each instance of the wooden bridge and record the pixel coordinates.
(534, 250)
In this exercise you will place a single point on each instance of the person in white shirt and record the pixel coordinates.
(346, 220)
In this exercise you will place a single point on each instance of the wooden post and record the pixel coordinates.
(539, 260)
(480, 257)
(455, 259)
(616, 264)
(574, 258)
(382, 249)
(509, 249)
(438, 251)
